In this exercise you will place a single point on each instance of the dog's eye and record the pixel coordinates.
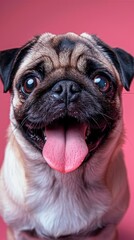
(29, 84)
(102, 83)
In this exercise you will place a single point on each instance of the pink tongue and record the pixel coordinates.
(65, 151)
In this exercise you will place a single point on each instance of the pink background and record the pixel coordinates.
(111, 20)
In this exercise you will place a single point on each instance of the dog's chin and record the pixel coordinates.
(82, 138)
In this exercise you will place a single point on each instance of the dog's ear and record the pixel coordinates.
(10, 61)
(7, 59)
(125, 67)
(122, 60)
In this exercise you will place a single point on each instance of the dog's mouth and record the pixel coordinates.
(66, 143)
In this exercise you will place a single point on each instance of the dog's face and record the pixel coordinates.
(66, 94)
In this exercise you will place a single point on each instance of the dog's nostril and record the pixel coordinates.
(74, 88)
(66, 91)
(58, 89)
(73, 92)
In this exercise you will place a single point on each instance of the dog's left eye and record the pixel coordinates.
(102, 83)
(29, 84)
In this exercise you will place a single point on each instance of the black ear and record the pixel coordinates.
(125, 67)
(7, 59)
(122, 60)
(10, 61)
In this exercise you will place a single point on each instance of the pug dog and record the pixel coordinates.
(63, 175)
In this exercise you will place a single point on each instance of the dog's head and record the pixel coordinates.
(66, 94)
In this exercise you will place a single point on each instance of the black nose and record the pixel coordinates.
(66, 91)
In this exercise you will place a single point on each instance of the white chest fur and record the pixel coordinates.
(66, 204)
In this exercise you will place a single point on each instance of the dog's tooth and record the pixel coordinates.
(87, 132)
(45, 137)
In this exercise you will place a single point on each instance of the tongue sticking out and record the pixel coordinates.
(65, 150)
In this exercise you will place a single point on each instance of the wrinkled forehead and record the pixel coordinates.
(68, 50)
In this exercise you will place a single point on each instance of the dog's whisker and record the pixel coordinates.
(96, 123)
(106, 117)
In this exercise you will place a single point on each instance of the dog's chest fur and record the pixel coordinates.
(65, 205)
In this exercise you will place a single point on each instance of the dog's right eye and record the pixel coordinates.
(29, 84)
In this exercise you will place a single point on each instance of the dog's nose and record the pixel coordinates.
(66, 91)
